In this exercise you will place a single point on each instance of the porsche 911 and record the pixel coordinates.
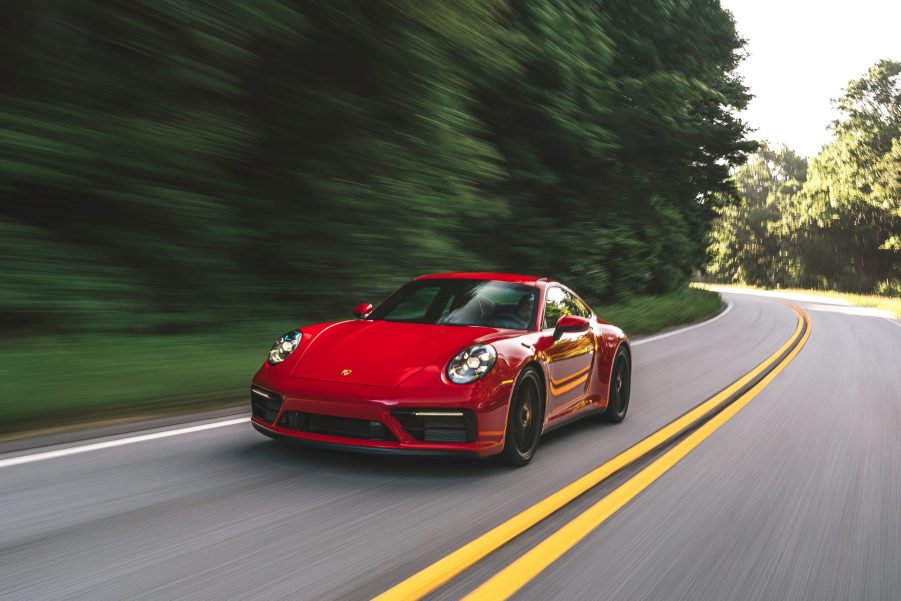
(470, 364)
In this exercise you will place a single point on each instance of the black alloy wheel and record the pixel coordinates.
(620, 388)
(524, 420)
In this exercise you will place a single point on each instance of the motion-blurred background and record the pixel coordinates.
(182, 181)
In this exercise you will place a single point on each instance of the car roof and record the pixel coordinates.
(486, 275)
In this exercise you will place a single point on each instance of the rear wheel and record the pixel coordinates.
(620, 388)
(524, 420)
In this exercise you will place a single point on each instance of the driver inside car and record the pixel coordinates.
(524, 309)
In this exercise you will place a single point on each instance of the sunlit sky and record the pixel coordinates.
(802, 54)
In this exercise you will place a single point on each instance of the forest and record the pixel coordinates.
(830, 223)
(167, 166)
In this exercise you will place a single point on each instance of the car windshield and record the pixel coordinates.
(459, 302)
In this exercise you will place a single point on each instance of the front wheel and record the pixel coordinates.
(523, 421)
(620, 388)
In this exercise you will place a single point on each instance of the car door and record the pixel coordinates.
(569, 358)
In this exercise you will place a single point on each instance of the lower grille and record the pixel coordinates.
(336, 426)
(265, 405)
(438, 425)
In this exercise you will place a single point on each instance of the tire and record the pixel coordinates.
(524, 420)
(620, 388)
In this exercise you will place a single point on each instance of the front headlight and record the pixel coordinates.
(471, 364)
(284, 346)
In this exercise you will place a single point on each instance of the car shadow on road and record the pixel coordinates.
(298, 457)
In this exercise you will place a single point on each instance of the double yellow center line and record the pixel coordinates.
(505, 583)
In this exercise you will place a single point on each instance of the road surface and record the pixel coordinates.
(798, 496)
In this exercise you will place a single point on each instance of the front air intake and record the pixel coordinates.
(264, 404)
(331, 425)
(438, 425)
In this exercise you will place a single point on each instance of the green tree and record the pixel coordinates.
(617, 140)
(846, 217)
(747, 245)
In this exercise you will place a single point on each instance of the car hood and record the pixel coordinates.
(384, 353)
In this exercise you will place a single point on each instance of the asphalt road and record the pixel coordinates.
(796, 497)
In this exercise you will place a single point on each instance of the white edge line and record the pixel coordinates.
(686, 328)
(119, 442)
(893, 321)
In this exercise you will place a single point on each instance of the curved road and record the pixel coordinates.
(798, 496)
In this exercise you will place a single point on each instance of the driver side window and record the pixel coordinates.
(554, 308)
(558, 302)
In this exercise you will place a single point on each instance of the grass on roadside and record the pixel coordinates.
(51, 382)
(647, 314)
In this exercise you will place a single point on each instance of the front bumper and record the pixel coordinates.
(360, 448)
(441, 420)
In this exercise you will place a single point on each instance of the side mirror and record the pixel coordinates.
(363, 309)
(570, 323)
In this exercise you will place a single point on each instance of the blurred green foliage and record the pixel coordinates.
(832, 224)
(181, 165)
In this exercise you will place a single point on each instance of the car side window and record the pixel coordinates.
(554, 308)
(583, 309)
(558, 302)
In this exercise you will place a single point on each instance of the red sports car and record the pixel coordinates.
(455, 363)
